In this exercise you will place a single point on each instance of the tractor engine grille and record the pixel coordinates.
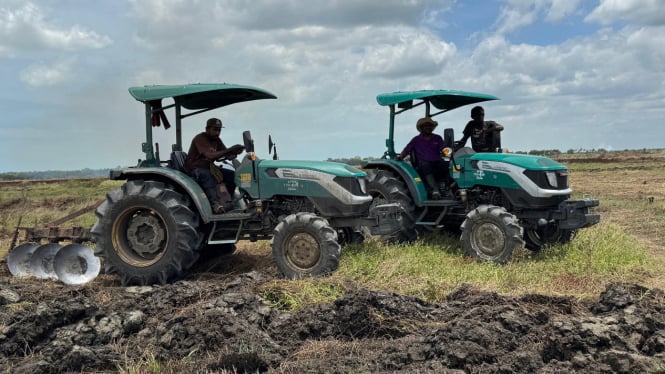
(550, 179)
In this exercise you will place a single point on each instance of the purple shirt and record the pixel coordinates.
(426, 149)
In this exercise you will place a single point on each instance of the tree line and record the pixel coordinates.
(55, 174)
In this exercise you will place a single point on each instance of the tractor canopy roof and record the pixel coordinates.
(201, 95)
(443, 100)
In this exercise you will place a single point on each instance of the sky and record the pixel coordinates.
(570, 74)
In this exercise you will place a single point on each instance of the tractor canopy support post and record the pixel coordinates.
(390, 142)
(147, 146)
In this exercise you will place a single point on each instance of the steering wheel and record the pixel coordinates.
(227, 157)
(232, 153)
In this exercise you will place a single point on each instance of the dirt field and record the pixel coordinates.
(215, 320)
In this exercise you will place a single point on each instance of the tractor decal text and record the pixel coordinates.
(291, 185)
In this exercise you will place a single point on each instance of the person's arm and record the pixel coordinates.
(405, 151)
(467, 133)
(493, 126)
(209, 150)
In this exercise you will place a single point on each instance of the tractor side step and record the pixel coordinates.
(232, 216)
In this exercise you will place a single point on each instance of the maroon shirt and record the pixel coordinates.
(204, 150)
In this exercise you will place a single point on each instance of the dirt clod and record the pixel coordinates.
(223, 325)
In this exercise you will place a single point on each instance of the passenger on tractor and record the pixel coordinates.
(217, 182)
(426, 157)
(484, 135)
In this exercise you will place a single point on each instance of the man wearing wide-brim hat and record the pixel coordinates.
(427, 147)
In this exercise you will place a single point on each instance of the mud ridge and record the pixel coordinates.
(224, 325)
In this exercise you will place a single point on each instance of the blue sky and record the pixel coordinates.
(570, 74)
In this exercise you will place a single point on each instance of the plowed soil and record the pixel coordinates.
(220, 323)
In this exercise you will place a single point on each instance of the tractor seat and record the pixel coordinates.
(177, 160)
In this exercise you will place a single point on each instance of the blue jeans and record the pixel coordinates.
(440, 169)
(206, 180)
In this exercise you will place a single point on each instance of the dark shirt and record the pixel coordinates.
(481, 140)
(426, 149)
(204, 150)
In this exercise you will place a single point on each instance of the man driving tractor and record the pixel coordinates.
(217, 182)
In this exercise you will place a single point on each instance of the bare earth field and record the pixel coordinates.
(216, 321)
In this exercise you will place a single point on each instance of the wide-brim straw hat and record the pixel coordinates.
(421, 122)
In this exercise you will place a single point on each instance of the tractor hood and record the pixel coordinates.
(441, 99)
(528, 162)
(296, 168)
(200, 95)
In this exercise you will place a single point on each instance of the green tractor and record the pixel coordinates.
(499, 201)
(156, 225)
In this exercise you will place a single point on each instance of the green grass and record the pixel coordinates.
(433, 267)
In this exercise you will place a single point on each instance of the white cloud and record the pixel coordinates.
(25, 28)
(44, 74)
(326, 61)
(409, 54)
(641, 12)
(516, 14)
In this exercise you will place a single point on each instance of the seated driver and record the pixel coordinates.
(428, 147)
(217, 183)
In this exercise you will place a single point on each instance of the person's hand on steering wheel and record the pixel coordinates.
(231, 153)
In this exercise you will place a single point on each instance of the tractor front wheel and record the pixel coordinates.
(304, 245)
(490, 233)
(146, 233)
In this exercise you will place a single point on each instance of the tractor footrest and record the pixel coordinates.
(427, 223)
(232, 216)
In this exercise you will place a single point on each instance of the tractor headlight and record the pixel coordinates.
(551, 179)
(352, 184)
(363, 185)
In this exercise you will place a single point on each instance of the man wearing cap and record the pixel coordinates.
(480, 131)
(217, 183)
(428, 147)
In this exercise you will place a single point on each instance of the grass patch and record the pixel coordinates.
(433, 267)
(290, 295)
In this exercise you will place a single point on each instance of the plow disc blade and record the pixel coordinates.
(76, 264)
(41, 263)
(18, 259)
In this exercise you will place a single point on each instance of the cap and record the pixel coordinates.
(423, 121)
(215, 123)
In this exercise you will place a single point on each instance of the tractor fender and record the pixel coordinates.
(407, 173)
(179, 180)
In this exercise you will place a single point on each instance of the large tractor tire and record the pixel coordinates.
(305, 245)
(536, 240)
(385, 187)
(146, 233)
(490, 233)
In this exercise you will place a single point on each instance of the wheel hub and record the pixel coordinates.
(145, 235)
(489, 239)
(303, 250)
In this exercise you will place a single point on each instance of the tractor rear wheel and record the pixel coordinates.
(304, 245)
(490, 233)
(544, 237)
(385, 187)
(146, 233)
